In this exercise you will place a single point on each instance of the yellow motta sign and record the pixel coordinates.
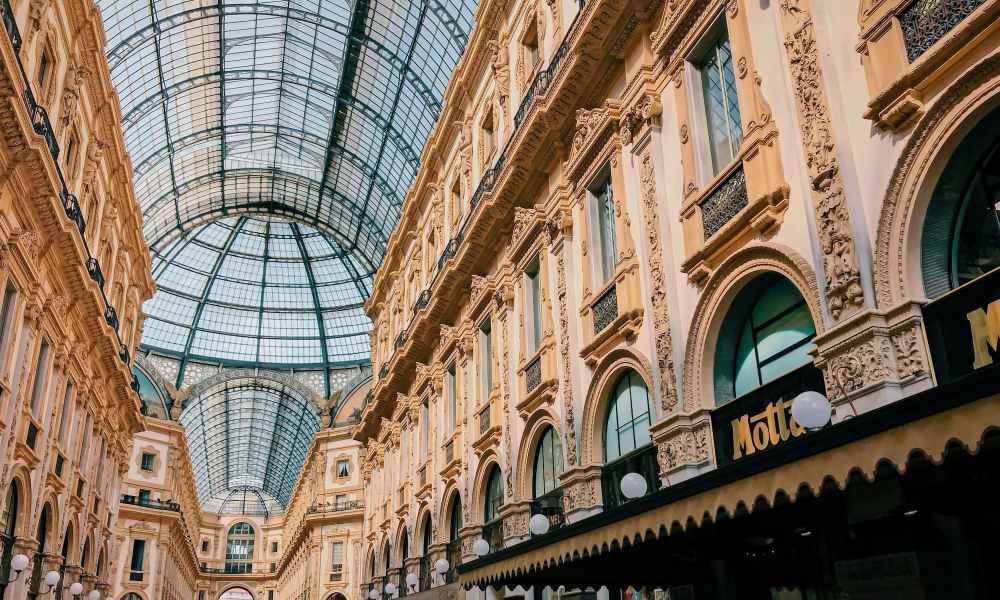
(985, 328)
(769, 427)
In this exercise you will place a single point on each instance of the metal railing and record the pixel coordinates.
(493, 534)
(43, 126)
(724, 203)
(550, 505)
(925, 22)
(334, 507)
(150, 503)
(425, 574)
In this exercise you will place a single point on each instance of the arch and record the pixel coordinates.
(719, 292)
(45, 530)
(401, 542)
(493, 498)
(454, 517)
(68, 550)
(386, 563)
(606, 375)
(898, 267)
(370, 563)
(102, 562)
(534, 428)
(15, 505)
(548, 463)
(85, 553)
(487, 463)
(236, 592)
(425, 530)
(133, 596)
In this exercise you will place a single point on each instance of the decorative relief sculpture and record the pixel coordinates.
(569, 431)
(690, 447)
(843, 279)
(658, 285)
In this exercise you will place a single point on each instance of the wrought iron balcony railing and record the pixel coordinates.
(150, 503)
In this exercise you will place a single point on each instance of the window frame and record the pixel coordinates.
(557, 461)
(633, 422)
(707, 51)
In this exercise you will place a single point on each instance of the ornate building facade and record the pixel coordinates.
(74, 272)
(641, 229)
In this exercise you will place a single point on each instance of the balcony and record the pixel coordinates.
(724, 203)
(605, 309)
(925, 22)
(335, 507)
(641, 461)
(150, 503)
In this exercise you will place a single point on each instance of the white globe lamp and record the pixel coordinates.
(390, 588)
(441, 566)
(51, 578)
(634, 486)
(94, 595)
(811, 410)
(412, 580)
(481, 547)
(538, 524)
(76, 589)
(373, 595)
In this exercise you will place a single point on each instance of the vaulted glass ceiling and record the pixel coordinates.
(248, 436)
(259, 290)
(313, 110)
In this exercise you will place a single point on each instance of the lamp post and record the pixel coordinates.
(51, 580)
(411, 581)
(18, 564)
(442, 566)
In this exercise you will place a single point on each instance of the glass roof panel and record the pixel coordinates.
(315, 110)
(257, 290)
(248, 435)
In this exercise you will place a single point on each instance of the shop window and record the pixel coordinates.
(148, 461)
(626, 426)
(767, 333)
(721, 125)
(606, 238)
(961, 233)
(343, 468)
(239, 548)
(548, 463)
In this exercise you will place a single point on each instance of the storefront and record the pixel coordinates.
(899, 502)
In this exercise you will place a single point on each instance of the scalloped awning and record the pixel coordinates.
(927, 424)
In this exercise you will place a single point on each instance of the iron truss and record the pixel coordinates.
(314, 111)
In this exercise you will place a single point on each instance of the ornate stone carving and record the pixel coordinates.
(688, 447)
(580, 494)
(505, 390)
(569, 429)
(501, 69)
(75, 79)
(909, 352)
(843, 279)
(30, 243)
(658, 283)
(523, 219)
(645, 112)
(477, 285)
(863, 365)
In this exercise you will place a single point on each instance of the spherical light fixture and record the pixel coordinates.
(441, 566)
(96, 595)
(52, 578)
(373, 595)
(811, 410)
(412, 580)
(390, 588)
(481, 547)
(538, 524)
(76, 589)
(19, 563)
(634, 486)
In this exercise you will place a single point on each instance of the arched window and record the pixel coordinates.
(961, 232)
(10, 512)
(131, 596)
(239, 548)
(626, 427)
(387, 559)
(494, 496)
(767, 333)
(43, 528)
(425, 547)
(85, 555)
(548, 463)
(455, 518)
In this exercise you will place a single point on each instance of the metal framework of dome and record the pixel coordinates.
(259, 291)
(248, 434)
(314, 110)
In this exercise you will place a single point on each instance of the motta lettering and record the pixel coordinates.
(985, 327)
(769, 427)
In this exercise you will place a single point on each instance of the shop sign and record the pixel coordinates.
(963, 328)
(762, 419)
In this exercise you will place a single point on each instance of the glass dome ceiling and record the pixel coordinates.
(248, 439)
(313, 110)
(259, 290)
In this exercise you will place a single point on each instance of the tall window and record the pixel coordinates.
(533, 300)
(6, 322)
(239, 548)
(337, 568)
(425, 547)
(343, 468)
(138, 558)
(773, 333)
(486, 358)
(607, 240)
(456, 200)
(44, 66)
(41, 368)
(85, 442)
(455, 519)
(489, 135)
(65, 415)
(548, 463)
(494, 496)
(722, 108)
(148, 461)
(452, 392)
(629, 416)
(424, 426)
(532, 54)
(10, 511)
